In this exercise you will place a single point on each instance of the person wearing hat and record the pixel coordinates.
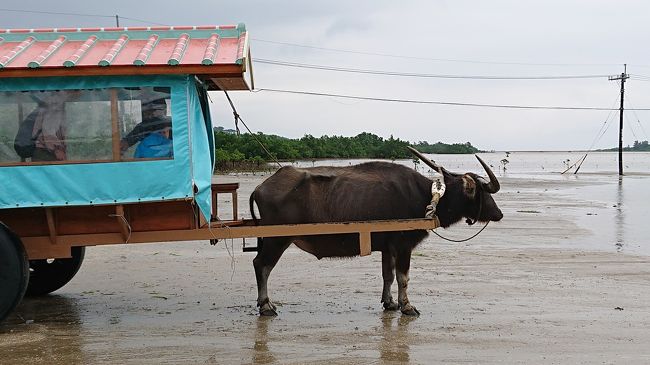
(157, 144)
(154, 119)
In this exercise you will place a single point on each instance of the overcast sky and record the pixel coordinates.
(429, 37)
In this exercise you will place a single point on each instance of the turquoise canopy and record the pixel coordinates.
(186, 176)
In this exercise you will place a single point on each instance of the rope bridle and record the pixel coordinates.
(469, 222)
(463, 240)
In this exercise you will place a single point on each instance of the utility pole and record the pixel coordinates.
(117, 21)
(624, 76)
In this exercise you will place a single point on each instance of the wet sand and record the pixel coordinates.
(527, 290)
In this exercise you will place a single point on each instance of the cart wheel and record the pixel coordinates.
(14, 271)
(49, 275)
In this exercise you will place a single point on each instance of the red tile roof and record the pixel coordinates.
(217, 54)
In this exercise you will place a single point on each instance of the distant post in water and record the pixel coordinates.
(624, 76)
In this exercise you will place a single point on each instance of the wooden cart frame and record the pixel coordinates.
(59, 229)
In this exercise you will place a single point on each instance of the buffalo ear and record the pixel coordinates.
(469, 186)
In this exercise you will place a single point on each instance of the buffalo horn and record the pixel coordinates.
(493, 186)
(430, 163)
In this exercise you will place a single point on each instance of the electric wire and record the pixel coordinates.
(636, 116)
(639, 78)
(599, 135)
(80, 15)
(631, 128)
(430, 58)
(421, 75)
(433, 102)
(238, 119)
(143, 21)
(57, 13)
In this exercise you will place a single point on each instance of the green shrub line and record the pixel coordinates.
(243, 151)
(636, 147)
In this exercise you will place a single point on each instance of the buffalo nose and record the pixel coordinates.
(498, 216)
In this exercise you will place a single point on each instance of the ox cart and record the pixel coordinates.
(106, 138)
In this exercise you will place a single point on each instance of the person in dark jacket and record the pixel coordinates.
(154, 119)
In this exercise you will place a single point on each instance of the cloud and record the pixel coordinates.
(528, 38)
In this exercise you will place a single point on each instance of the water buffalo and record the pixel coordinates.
(368, 191)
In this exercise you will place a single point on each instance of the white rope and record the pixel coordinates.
(127, 224)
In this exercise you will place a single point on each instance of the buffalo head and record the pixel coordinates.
(467, 195)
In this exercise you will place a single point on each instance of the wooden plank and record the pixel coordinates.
(25, 221)
(84, 220)
(225, 187)
(215, 231)
(167, 216)
(95, 219)
(51, 226)
(365, 244)
(217, 71)
(235, 210)
(48, 251)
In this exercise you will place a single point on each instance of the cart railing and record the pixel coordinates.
(42, 247)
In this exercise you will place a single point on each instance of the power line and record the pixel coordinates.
(640, 77)
(79, 14)
(421, 75)
(144, 21)
(56, 13)
(603, 128)
(636, 116)
(430, 58)
(412, 101)
(630, 126)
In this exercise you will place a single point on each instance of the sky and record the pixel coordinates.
(504, 38)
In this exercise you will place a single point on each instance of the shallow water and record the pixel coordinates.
(525, 164)
(610, 210)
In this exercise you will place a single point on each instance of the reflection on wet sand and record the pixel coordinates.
(394, 344)
(261, 352)
(620, 216)
(43, 329)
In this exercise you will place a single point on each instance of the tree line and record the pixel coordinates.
(246, 149)
(642, 146)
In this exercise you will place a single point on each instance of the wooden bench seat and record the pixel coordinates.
(227, 188)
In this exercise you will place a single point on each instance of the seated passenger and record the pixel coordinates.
(47, 123)
(156, 144)
(154, 118)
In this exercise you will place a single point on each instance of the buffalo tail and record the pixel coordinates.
(251, 205)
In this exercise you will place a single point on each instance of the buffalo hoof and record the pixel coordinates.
(268, 309)
(410, 310)
(391, 306)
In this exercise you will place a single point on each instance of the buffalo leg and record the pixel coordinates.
(264, 262)
(402, 265)
(388, 274)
